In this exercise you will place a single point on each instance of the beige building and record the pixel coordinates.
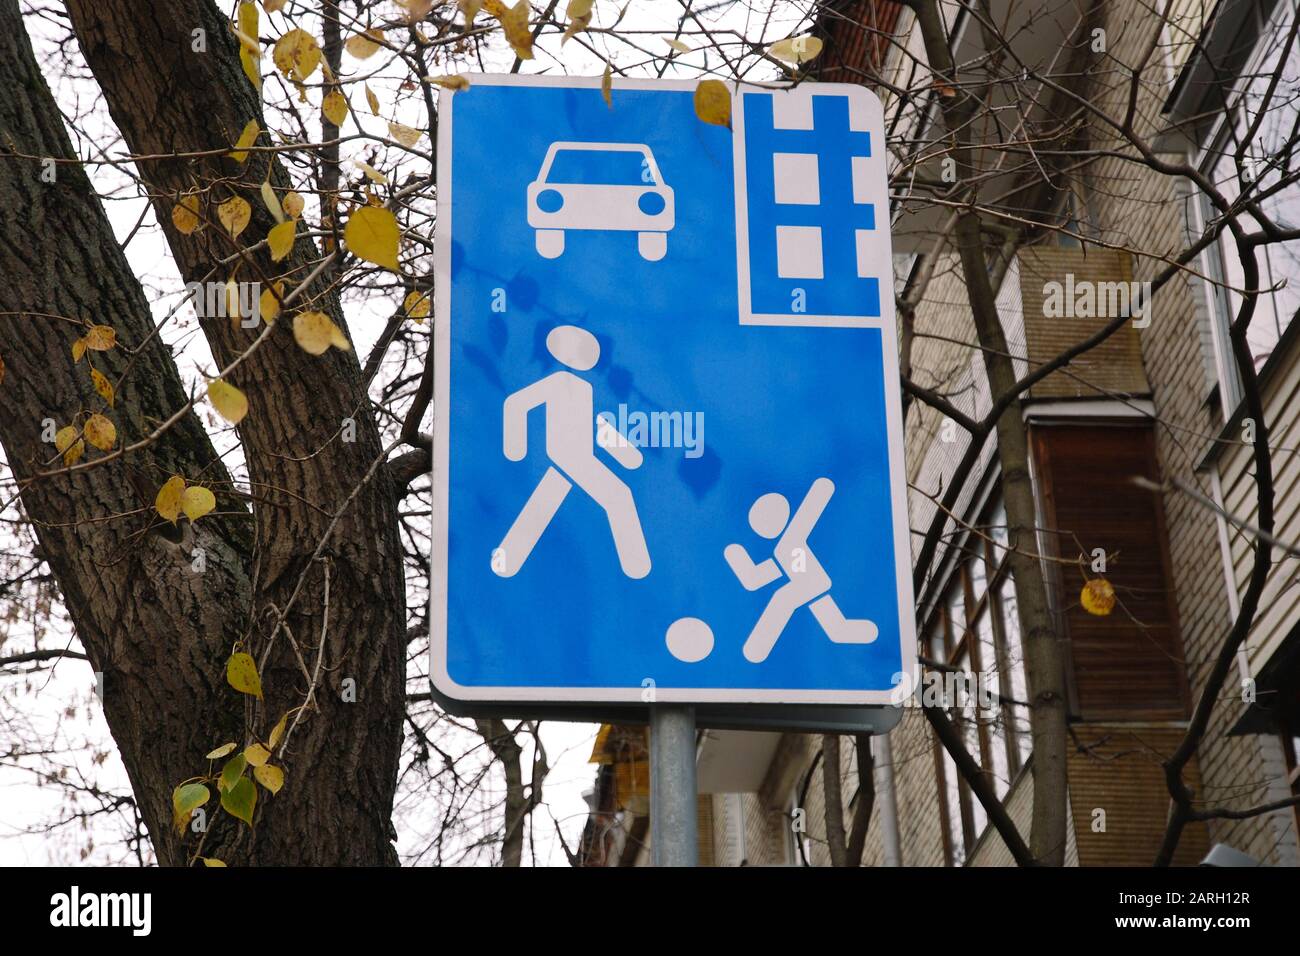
(1159, 400)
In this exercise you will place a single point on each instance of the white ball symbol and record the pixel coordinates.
(690, 639)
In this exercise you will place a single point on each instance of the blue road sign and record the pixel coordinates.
(668, 457)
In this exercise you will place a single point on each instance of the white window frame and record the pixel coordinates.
(1231, 392)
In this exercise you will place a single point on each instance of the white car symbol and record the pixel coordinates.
(565, 197)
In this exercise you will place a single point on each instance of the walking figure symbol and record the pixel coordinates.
(570, 446)
(808, 582)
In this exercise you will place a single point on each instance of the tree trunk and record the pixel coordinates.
(506, 749)
(866, 799)
(833, 797)
(164, 644)
(158, 631)
(1044, 660)
(847, 849)
(1044, 664)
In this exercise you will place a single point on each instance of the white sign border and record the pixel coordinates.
(638, 694)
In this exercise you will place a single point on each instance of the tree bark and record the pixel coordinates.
(833, 797)
(328, 176)
(846, 848)
(341, 765)
(866, 799)
(157, 630)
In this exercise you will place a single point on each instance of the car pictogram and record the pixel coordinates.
(604, 187)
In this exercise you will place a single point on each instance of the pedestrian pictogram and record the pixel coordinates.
(567, 403)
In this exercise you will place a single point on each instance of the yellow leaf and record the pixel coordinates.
(241, 672)
(514, 23)
(250, 50)
(339, 340)
(713, 103)
(168, 504)
(296, 55)
(579, 13)
(273, 6)
(100, 432)
(229, 401)
(1098, 597)
(78, 349)
(372, 100)
(246, 139)
(677, 45)
(405, 135)
(101, 338)
(234, 215)
(416, 10)
(69, 445)
(248, 18)
(232, 300)
(372, 234)
(271, 202)
(470, 8)
(280, 239)
(293, 204)
(576, 26)
(197, 501)
(796, 50)
(212, 860)
(256, 755)
(277, 732)
(187, 798)
(335, 107)
(270, 777)
(185, 215)
(102, 385)
(372, 174)
(607, 85)
(416, 305)
(220, 752)
(268, 304)
(449, 82)
(315, 332)
(362, 46)
(247, 43)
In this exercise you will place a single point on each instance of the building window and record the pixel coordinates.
(1127, 665)
(1266, 162)
(1291, 748)
(973, 641)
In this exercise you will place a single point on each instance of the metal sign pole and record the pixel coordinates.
(673, 823)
